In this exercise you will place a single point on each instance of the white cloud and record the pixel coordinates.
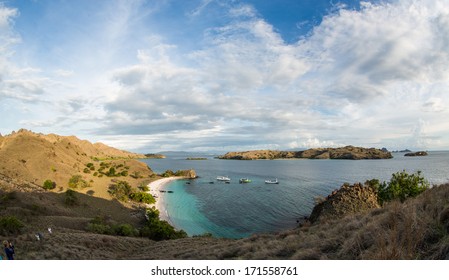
(343, 83)
(378, 76)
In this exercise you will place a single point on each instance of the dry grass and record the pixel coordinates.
(415, 229)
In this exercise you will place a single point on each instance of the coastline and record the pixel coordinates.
(155, 188)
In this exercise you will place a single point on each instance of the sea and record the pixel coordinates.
(234, 210)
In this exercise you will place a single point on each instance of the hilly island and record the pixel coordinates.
(66, 198)
(348, 152)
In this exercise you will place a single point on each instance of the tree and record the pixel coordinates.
(156, 229)
(402, 186)
(77, 181)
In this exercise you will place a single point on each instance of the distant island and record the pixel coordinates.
(402, 151)
(196, 158)
(154, 156)
(348, 152)
(416, 154)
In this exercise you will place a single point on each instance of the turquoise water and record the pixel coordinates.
(235, 210)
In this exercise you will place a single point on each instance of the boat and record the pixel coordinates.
(223, 178)
(245, 180)
(275, 181)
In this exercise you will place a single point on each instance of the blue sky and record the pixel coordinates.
(227, 75)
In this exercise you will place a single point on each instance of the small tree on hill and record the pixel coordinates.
(402, 186)
(49, 185)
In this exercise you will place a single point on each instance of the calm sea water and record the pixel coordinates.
(238, 210)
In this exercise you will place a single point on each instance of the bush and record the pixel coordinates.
(100, 226)
(70, 198)
(142, 197)
(122, 190)
(402, 186)
(77, 181)
(156, 229)
(10, 225)
(49, 185)
(125, 230)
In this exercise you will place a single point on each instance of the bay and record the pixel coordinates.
(235, 210)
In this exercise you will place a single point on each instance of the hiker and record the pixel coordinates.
(9, 250)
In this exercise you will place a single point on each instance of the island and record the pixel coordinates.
(416, 154)
(348, 152)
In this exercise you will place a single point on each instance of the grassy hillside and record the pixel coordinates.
(348, 224)
(36, 158)
(415, 229)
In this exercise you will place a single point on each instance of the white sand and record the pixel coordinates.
(160, 204)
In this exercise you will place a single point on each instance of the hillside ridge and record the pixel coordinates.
(347, 152)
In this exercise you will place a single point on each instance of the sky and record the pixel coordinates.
(228, 75)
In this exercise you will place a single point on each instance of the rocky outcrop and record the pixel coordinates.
(349, 199)
(348, 152)
(158, 156)
(416, 154)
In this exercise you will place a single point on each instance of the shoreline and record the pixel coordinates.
(155, 188)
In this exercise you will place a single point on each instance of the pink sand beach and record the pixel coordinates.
(160, 204)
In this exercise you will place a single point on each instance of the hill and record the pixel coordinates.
(35, 158)
(348, 152)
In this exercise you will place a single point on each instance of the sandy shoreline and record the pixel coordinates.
(155, 188)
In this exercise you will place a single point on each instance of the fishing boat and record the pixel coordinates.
(275, 181)
(223, 178)
(244, 180)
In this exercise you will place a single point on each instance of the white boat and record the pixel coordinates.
(223, 178)
(275, 181)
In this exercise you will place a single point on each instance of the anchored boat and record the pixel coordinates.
(275, 181)
(245, 180)
(223, 178)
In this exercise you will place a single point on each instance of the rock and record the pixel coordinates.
(349, 199)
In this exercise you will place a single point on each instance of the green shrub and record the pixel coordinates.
(101, 226)
(122, 190)
(144, 187)
(142, 197)
(70, 198)
(10, 225)
(156, 229)
(168, 173)
(125, 230)
(77, 181)
(402, 186)
(49, 185)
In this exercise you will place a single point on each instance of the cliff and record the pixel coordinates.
(348, 152)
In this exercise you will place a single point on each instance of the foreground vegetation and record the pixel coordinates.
(413, 223)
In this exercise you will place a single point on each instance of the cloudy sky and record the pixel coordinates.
(224, 75)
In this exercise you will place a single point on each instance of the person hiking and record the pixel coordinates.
(9, 250)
